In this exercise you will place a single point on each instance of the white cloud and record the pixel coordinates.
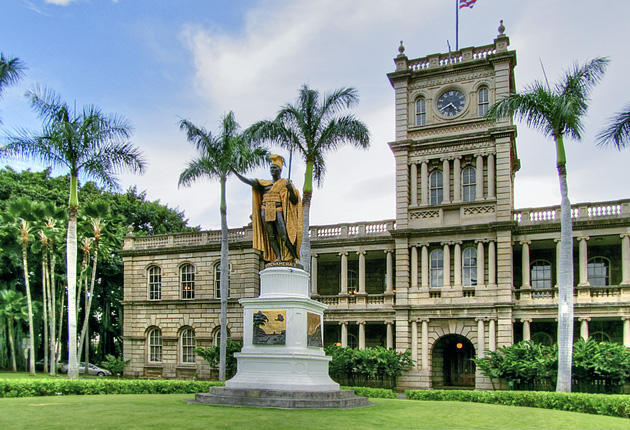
(60, 2)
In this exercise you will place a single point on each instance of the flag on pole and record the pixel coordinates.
(466, 3)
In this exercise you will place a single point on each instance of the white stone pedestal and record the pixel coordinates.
(294, 365)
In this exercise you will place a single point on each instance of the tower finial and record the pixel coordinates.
(401, 48)
(501, 28)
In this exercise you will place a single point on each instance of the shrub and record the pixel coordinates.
(51, 387)
(116, 365)
(598, 404)
(211, 355)
(369, 366)
(373, 393)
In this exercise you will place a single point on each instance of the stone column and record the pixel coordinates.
(344, 273)
(425, 344)
(344, 334)
(626, 332)
(446, 271)
(481, 338)
(414, 342)
(525, 263)
(390, 334)
(492, 335)
(457, 259)
(413, 186)
(389, 284)
(479, 178)
(361, 334)
(414, 267)
(425, 266)
(457, 180)
(492, 263)
(583, 261)
(424, 183)
(446, 181)
(527, 334)
(491, 181)
(361, 272)
(584, 327)
(625, 258)
(480, 264)
(314, 274)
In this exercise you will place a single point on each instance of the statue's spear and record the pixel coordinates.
(290, 162)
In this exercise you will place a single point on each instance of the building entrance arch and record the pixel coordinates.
(452, 364)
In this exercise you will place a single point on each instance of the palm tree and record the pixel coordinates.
(618, 130)
(88, 143)
(314, 128)
(12, 308)
(217, 156)
(11, 70)
(558, 112)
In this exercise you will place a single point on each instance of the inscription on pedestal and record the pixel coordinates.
(314, 329)
(270, 327)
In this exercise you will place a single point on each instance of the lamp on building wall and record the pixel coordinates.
(459, 345)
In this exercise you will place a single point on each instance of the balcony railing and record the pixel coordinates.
(454, 57)
(581, 294)
(324, 232)
(356, 301)
(579, 212)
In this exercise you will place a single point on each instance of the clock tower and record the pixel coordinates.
(454, 197)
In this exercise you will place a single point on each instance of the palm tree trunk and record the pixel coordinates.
(305, 249)
(52, 313)
(45, 303)
(31, 341)
(11, 344)
(59, 331)
(565, 281)
(71, 270)
(223, 282)
(88, 301)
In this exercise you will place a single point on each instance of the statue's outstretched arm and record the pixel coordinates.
(251, 182)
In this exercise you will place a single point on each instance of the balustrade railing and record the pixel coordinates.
(453, 57)
(579, 212)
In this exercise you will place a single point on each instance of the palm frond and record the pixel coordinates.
(11, 70)
(196, 169)
(36, 148)
(342, 98)
(617, 131)
(48, 105)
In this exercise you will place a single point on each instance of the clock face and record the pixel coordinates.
(451, 103)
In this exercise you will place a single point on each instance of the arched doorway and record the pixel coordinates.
(452, 364)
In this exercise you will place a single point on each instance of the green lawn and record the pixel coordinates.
(172, 412)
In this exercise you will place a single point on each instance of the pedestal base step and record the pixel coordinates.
(341, 399)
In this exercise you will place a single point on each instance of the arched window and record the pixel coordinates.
(421, 111)
(187, 345)
(154, 275)
(598, 271)
(435, 187)
(437, 267)
(469, 264)
(187, 281)
(155, 345)
(469, 183)
(482, 106)
(216, 336)
(217, 280)
(540, 271)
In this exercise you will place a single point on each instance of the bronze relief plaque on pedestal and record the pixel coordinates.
(270, 327)
(314, 329)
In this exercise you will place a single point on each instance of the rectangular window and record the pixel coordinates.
(483, 101)
(155, 283)
(421, 112)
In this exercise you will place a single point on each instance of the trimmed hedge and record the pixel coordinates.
(47, 387)
(598, 404)
(373, 393)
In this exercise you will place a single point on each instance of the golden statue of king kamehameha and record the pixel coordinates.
(276, 215)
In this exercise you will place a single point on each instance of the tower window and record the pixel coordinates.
(482, 106)
(437, 267)
(435, 187)
(468, 184)
(470, 266)
(421, 111)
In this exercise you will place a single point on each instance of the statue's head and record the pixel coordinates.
(277, 162)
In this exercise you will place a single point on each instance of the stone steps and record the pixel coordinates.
(285, 399)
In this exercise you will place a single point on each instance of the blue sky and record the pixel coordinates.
(157, 61)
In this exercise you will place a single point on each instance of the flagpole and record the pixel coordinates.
(456, 25)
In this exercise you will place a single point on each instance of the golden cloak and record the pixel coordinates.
(292, 214)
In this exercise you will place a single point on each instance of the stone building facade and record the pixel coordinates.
(458, 272)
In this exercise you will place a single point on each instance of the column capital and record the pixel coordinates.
(457, 242)
(457, 157)
(480, 319)
(526, 320)
(343, 253)
(361, 322)
(484, 240)
(388, 251)
(584, 319)
(624, 235)
(525, 242)
(343, 322)
(314, 254)
(625, 318)
(426, 320)
(361, 252)
(583, 237)
(389, 322)
(557, 239)
(446, 243)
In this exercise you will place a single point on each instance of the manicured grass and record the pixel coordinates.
(171, 411)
